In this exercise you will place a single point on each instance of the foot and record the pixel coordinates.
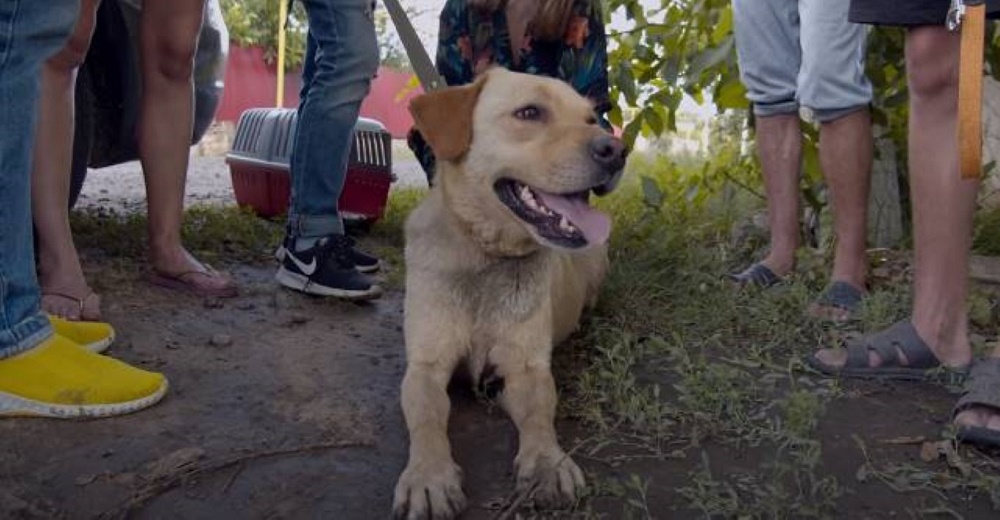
(840, 303)
(757, 274)
(429, 491)
(76, 302)
(326, 269)
(181, 271)
(94, 336)
(977, 413)
(364, 262)
(898, 352)
(551, 477)
(60, 379)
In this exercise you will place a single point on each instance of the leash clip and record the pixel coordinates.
(955, 14)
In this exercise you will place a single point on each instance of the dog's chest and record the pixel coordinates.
(507, 291)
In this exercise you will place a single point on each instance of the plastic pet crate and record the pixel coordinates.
(259, 163)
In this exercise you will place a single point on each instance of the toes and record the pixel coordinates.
(968, 417)
(551, 485)
(832, 357)
(993, 419)
(979, 417)
(428, 496)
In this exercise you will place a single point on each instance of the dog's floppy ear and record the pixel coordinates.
(444, 117)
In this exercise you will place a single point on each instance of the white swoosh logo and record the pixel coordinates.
(306, 269)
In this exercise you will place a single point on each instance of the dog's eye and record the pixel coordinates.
(591, 120)
(529, 113)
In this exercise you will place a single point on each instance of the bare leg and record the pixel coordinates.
(846, 157)
(65, 292)
(779, 144)
(845, 154)
(169, 34)
(943, 203)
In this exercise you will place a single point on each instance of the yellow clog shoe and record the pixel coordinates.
(95, 336)
(60, 379)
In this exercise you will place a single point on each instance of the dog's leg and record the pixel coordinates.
(436, 339)
(542, 467)
(431, 484)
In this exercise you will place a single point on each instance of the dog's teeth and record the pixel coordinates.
(565, 225)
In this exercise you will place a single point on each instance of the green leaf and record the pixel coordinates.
(710, 57)
(731, 94)
(724, 27)
(652, 195)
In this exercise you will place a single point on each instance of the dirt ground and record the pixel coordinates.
(286, 406)
(281, 406)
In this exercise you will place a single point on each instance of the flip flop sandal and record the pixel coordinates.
(903, 338)
(80, 302)
(186, 282)
(757, 274)
(840, 296)
(982, 389)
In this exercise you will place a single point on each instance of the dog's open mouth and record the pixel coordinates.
(565, 219)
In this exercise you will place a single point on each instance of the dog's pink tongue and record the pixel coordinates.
(595, 226)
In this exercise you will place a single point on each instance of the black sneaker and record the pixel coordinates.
(363, 261)
(326, 269)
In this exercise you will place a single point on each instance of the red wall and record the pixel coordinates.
(252, 83)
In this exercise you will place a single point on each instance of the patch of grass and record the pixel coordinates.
(214, 234)
(387, 236)
(676, 362)
(232, 235)
(986, 235)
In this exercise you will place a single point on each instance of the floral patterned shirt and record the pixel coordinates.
(470, 41)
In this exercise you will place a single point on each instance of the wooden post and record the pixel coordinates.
(282, 16)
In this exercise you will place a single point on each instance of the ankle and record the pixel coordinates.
(780, 265)
(947, 337)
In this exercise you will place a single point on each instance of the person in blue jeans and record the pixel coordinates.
(43, 372)
(342, 57)
(806, 53)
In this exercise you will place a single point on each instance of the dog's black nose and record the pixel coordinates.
(609, 151)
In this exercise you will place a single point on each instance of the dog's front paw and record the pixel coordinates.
(429, 492)
(551, 477)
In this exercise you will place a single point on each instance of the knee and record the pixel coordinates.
(173, 58)
(75, 51)
(931, 68)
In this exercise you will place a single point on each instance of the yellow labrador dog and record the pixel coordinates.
(501, 259)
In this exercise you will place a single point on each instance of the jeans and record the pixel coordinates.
(30, 32)
(341, 59)
(801, 52)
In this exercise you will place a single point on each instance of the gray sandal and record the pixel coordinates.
(757, 274)
(903, 338)
(982, 389)
(839, 296)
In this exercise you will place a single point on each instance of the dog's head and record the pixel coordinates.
(528, 148)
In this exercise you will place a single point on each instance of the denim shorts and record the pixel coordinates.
(796, 53)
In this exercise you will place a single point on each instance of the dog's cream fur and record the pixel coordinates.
(483, 289)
